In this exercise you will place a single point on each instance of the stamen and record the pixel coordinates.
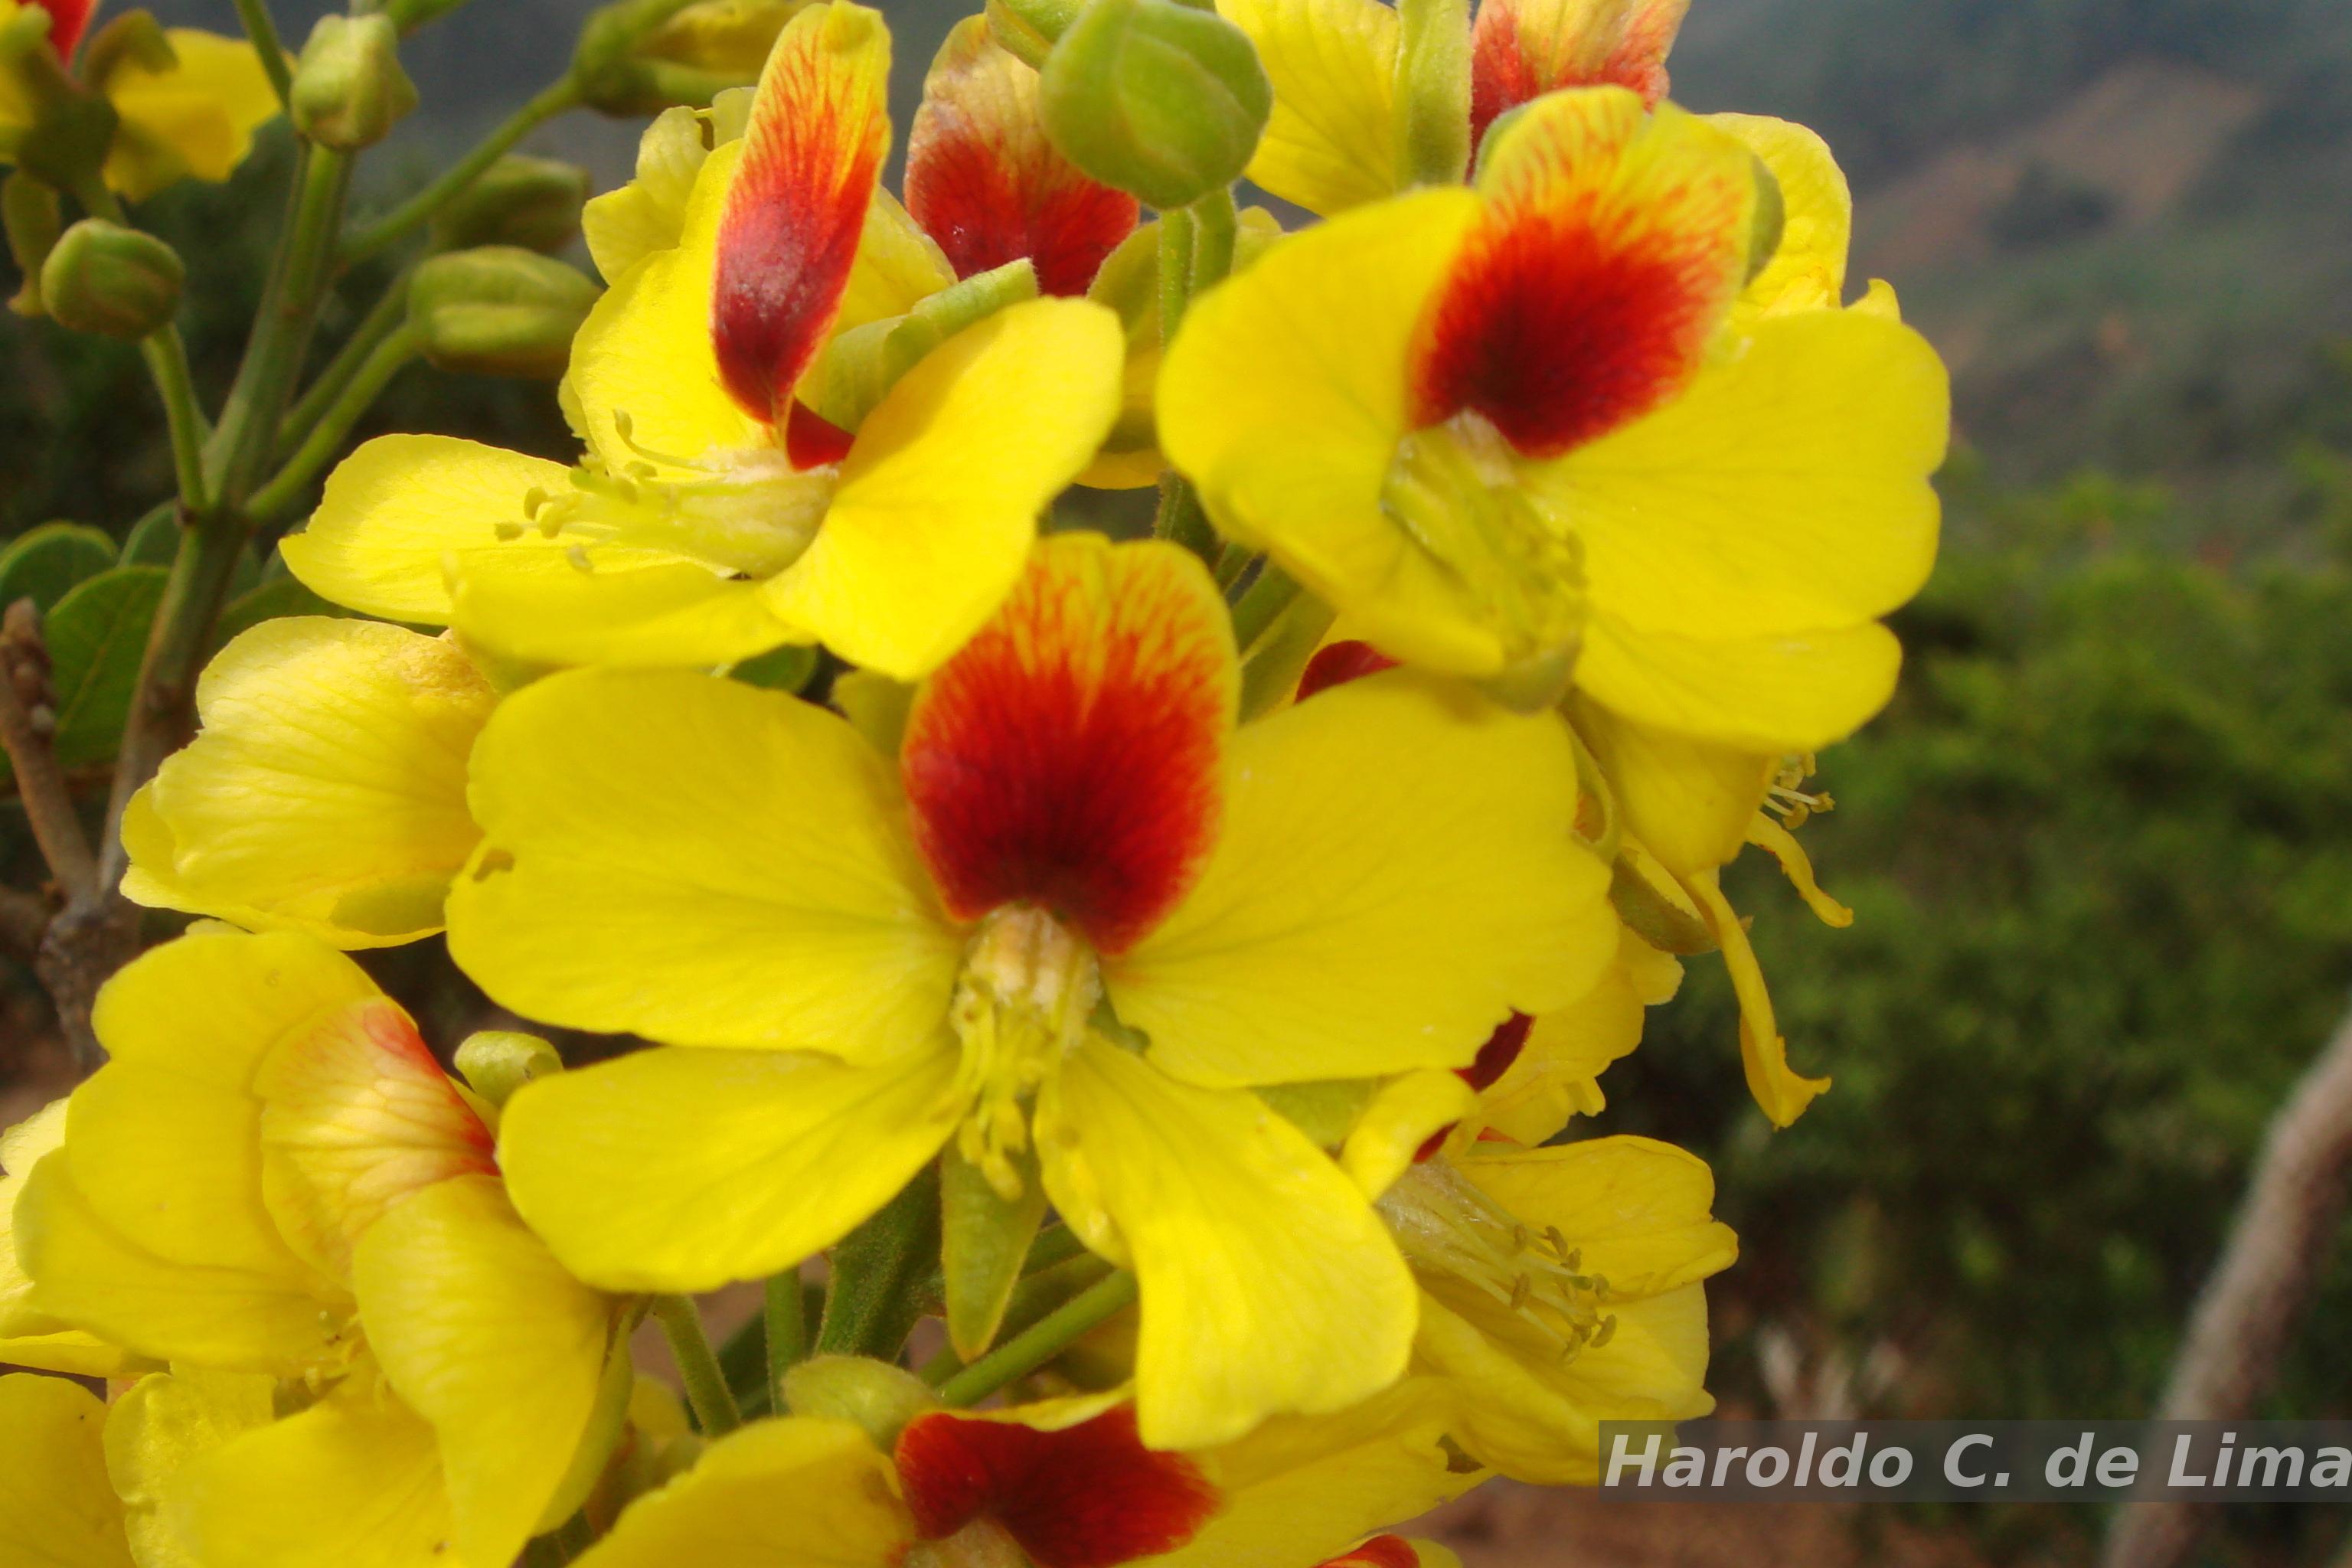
(1450, 1230)
(1020, 1006)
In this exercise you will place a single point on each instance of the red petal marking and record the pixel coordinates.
(1338, 663)
(1379, 1552)
(797, 205)
(68, 18)
(1089, 1495)
(1515, 57)
(983, 180)
(810, 440)
(1608, 252)
(1495, 1058)
(1071, 756)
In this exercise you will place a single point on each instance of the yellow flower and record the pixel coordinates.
(193, 117)
(1560, 1289)
(57, 1507)
(719, 513)
(326, 791)
(29, 1336)
(1504, 432)
(1064, 1484)
(271, 1175)
(1361, 886)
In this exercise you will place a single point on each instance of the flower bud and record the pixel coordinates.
(1158, 98)
(350, 89)
(1029, 29)
(530, 202)
(633, 60)
(29, 212)
(497, 1062)
(498, 310)
(865, 1392)
(117, 282)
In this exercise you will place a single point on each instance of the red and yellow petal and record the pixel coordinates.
(1087, 1496)
(1521, 49)
(813, 155)
(68, 18)
(984, 183)
(1612, 244)
(1072, 754)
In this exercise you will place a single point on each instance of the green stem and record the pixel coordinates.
(1031, 1348)
(418, 209)
(787, 1314)
(263, 30)
(326, 438)
(706, 1385)
(1181, 519)
(1265, 599)
(1175, 271)
(281, 336)
(383, 319)
(1215, 226)
(1434, 92)
(167, 361)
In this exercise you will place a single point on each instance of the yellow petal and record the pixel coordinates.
(1302, 1489)
(1798, 867)
(1639, 1210)
(1398, 872)
(1689, 802)
(354, 1480)
(1284, 395)
(897, 266)
(1781, 1091)
(73, 1353)
(485, 1335)
(1807, 272)
(56, 1507)
(1331, 142)
(1763, 695)
(745, 847)
(939, 496)
(165, 1423)
(1787, 490)
(22, 1147)
(674, 614)
(813, 1494)
(1268, 1284)
(399, 510)
(1567, 1050)
(646, 350)
(355, 735)
(196, 118)
(623, 227)
(675, 1170)
(1409, 1110)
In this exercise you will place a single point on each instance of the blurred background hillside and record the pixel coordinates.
(2100, 850)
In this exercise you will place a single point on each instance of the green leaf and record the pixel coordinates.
(97, 637)
(45, 562)
(154, 539)
(276, 597)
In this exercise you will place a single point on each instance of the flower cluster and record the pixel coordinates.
(1171, 964)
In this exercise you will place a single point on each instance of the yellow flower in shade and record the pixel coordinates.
(192, 116)
(717, 513)
(1062, 1484)
(272, 1176)
(1075, 854)
(326, 791)
(1559, 1289)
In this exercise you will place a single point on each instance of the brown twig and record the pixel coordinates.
(2267, 1276)
(27, 723)
(24, 920)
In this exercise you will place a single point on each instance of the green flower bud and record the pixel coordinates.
(497, 1062)
(29, 212)
(1158, 98)
(117, 282)
(641, 57)
(530, 202)
(1770, 223)
(498, 310)
(862, 1391)
(1030, 29)
(350, 89)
